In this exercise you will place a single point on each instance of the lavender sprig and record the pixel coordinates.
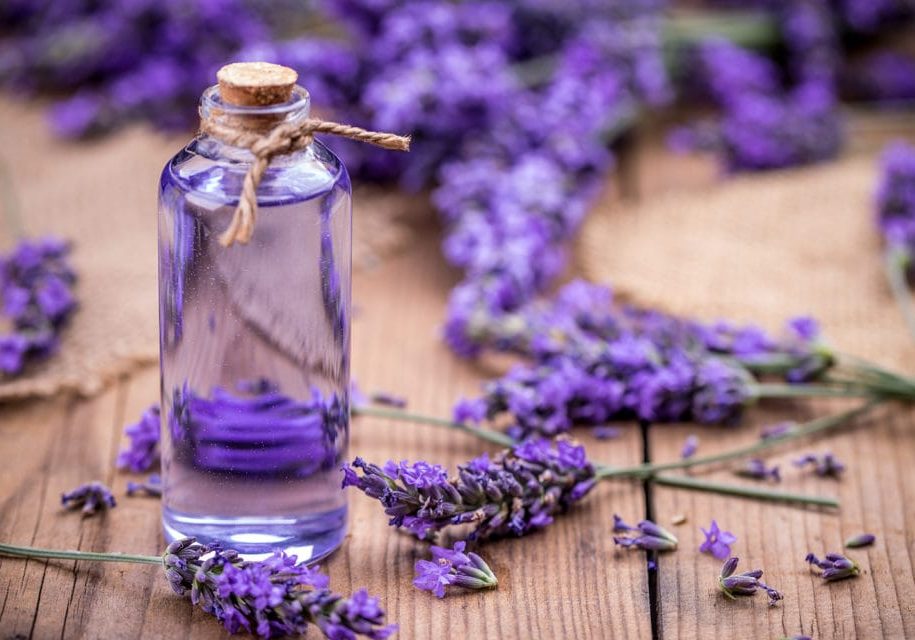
(453, 567)
(92, 497)
(733, 584)
(652, 470)
(834, 566)
(519, 491)
(275, 597)
(271, 598)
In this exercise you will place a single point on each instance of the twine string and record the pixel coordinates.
(280, 140)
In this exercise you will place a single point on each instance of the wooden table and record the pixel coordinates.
(566, 582)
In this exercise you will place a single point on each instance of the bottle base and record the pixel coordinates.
(309, 538)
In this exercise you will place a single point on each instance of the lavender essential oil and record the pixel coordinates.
(255, 337)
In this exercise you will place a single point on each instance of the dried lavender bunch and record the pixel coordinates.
(515, 493)
(453, 567)
(595, 361)
(748, 583)
(36, 283)
(93, 497)
(834, 566)
(271, 598)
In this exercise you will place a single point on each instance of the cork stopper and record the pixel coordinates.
(255, 84)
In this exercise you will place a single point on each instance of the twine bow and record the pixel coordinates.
(282, 139)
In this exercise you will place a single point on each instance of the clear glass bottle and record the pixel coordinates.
(255, 343)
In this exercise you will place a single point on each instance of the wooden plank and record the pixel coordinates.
(776, 538)
(566, 582)
(49, 449)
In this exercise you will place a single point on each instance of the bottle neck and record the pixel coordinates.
(257, 118)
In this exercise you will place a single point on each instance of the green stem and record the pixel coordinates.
(685, 482)
(808, 391)
(36, 552)
(645, 471)
(393, 414)
(801, 431)
(895, 264)
(756, 29)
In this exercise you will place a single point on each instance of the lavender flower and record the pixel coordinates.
(717, 542)
(453, 567)
(35, 291)
(733, 584)
(151, 487)
(92, 497)
(519, 491)
(271, 598)
(860, 540)
(834, 566)
(756, 469)
(651, 536)
(592, 361)
(690, 446)
(824, 465)
(143, 451)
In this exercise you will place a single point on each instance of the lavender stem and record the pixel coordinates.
(392, 414)
(648, 471)
(808, 391)
(685, 482)
(37, 552)
(813, 427)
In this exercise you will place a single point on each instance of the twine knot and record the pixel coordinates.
(280, 140)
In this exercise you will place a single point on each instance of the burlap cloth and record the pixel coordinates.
(759, 248)
(102, 196)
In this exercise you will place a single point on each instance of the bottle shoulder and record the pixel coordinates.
(213, 171)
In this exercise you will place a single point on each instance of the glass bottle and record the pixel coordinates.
(255, 342)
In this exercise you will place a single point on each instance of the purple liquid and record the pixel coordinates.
(254, 344)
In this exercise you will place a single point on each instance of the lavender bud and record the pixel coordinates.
(92, 497)
(733, 584)
(860, 540)
(834, 567)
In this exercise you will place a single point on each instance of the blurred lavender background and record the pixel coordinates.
(515, 106)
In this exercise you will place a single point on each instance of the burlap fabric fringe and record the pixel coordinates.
(281, 139)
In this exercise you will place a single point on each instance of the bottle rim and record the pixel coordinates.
(298, 105)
